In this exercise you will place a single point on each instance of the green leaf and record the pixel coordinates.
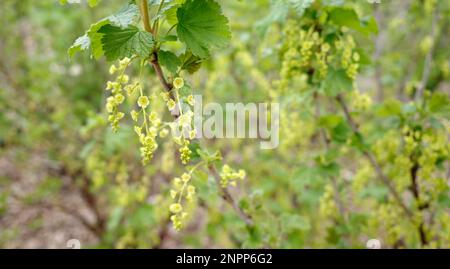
(336, 82)
(329, 121)
(347, 17)
(341, 132)
(123, 18)
(389, 108)
(191, 63)
(439, 104)
(295, 222)
(301, 5)
(195, 147)
(278, 13)
(171, 14)
(202, 26)
(119, 43)
(91, 39)
(169, 38)
(93, 3)
(169, 60)
(80, 44)
(96, 38)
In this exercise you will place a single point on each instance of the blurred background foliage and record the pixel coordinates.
(64, 174)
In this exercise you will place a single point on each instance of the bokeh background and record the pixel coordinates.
(64, 174)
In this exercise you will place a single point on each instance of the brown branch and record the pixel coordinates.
(428, 58)
(168, 87)
(371, 158)
(416, 193)
(334, 182)
(226, 195)
(160, 74)
(377, 54)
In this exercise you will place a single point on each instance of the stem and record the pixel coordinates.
(141, 93)
(416, 193)
(226, 195)
(156, 22)
(145, 17)
(160, 74)
(334, 182)
(168, 87)
(381, 176)
(171, 28)
(377, 55)
(428, 58)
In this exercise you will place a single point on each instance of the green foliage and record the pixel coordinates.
(348, 17)
(121, 19)
(336, 82)
(364, 125)
(125, 42)
(169, 60)
(202, 26)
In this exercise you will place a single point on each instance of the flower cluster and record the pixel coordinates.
(185, 152)
(349, 57)
(360, 101)
(327, 205)
(116, 88)
(229, 176)
(181, 191)
(322, 61)
(301, 45)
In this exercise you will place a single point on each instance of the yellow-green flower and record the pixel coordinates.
(325, 47)
(123, 79)
(171, 104)
(192, 134)
(109, 85)
(185, 177)
(143, 101)
(190, 190)
(112, 69)
(190, 100)
(134, 115)
(119, 98)
(173, 194)
(178, 83)
(175, 208)
(124, 62)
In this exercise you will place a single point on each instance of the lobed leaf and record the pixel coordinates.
(202, 26)
(119, 43)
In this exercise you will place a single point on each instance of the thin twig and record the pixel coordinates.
(371, 158)
(416, 193)
(168, 87)
(377, 54)
(334, 182)
(428, 58)
(226, 195)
